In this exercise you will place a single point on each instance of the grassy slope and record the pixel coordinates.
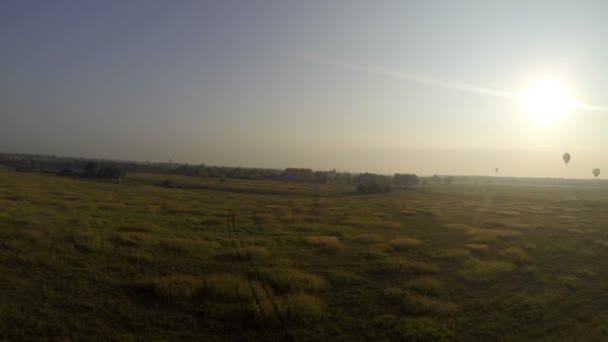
(83, 259)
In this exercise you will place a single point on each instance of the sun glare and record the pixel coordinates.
(547, 101)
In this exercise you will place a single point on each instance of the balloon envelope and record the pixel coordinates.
(496, 170)
(596, 172)
(566, 157)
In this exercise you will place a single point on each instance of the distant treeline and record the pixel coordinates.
(53, 164)
(366, 183)
(290, 174)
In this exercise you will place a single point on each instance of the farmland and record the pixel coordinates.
(89, 259)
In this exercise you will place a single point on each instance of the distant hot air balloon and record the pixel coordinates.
(566, 157)
(496, 170)
(596, 172)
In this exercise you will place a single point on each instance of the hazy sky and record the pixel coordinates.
(315, 84)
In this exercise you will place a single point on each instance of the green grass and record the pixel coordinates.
(94, 260)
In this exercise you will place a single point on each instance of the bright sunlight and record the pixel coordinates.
(547, 101)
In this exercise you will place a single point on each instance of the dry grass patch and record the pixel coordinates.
(175, 286)
(515, 254)
(139, 256)
(231, 286)
(253, 252)
(479, 270)
(452, 254)
(131, 238)
(508, 224)
(368, 238)
(395, 267)
(214, 221)
(489, 235)
(328, 244)
(297, 307)
(141, 227)
(405, 243)
(87, 241)
(425, 285)
(511, 213)
(292, 280)
(478, 248)
(478, 234)
(414, 303)
(569, 281)
(458, 226)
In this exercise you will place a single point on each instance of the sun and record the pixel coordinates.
(547, 101)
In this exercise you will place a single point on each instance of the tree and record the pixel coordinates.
(111, 172)
(91, 169)
(66, 172)
(400, 180)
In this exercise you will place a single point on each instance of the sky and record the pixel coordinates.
(379, 86)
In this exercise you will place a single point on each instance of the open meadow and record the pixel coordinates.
(161, 257)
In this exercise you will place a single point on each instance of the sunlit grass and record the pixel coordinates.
(144, 261)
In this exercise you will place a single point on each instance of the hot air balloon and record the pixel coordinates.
(566, 157)
(596, 172)
(496, 170)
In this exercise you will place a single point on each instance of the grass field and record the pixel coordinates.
(259, 260)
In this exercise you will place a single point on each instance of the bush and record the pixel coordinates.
(373, 187)
(111, 172)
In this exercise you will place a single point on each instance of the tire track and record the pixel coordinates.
(231, 218)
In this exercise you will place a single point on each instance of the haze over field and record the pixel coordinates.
(425, 87)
